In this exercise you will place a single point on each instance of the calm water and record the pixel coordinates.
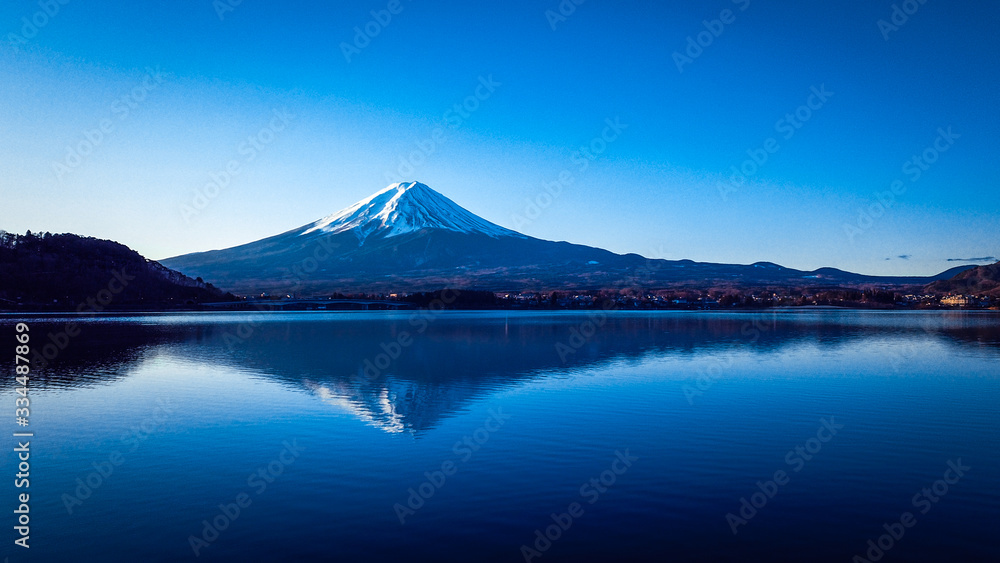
(331, 429)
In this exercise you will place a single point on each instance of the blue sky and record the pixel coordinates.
(181, 93)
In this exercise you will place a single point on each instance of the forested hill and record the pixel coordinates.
(981, 280)
(47, 272)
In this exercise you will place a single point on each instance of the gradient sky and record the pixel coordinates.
(657, 189)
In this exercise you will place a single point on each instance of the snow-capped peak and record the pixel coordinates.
(404, 208)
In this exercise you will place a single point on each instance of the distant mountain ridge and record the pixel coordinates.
(408, 237)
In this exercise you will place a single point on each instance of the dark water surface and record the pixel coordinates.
(457, 436)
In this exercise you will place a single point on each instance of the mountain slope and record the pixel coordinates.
(61, 272)
(408, 237)
(980, 280)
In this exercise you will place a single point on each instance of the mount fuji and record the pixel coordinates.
(407, 208)
(408, 237)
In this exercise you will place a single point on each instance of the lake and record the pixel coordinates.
(794, 435)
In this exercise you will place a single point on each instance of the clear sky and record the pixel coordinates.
(334, 114)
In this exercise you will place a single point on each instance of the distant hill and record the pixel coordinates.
(981, 280)
(60, 272)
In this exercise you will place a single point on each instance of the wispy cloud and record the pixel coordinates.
(902, 257)
(982, 259)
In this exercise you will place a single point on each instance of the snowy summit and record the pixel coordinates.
(404, 208)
